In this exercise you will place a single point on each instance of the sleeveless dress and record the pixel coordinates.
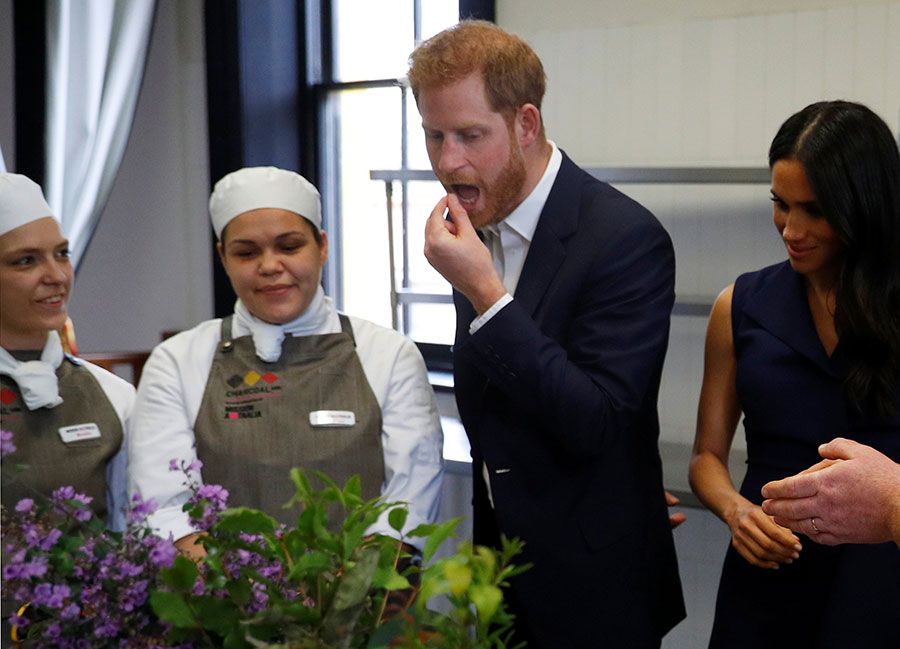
(791, 394)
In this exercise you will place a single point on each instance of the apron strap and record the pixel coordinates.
(346, 327)
(226, 343)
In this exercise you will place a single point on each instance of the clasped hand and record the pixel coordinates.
(759, 539)
(453, 248)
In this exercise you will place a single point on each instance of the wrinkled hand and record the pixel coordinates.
(677, 518)
(853, 494)
(456, 252)
(759, 539)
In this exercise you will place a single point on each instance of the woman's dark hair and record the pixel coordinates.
(852, 163)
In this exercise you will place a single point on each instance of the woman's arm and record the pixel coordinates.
(755, 535)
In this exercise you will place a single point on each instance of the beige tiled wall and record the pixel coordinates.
(694, 83)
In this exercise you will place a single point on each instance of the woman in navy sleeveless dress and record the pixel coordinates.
(808, 350)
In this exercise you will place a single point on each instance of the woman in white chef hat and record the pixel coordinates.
(69, 418)
(286, 380)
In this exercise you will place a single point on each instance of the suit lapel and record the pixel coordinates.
(781, 308)
(558, 220)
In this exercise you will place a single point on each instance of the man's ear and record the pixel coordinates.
(528, 124)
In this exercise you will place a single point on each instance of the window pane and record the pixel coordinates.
(422, 277)
(438, 15)
(367, 135)
(372, 39)
(432, 323)
(418, 156)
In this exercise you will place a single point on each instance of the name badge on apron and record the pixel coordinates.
(332, 418)
(79, 432)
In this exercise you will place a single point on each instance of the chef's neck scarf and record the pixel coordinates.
(36, 379)
(319, 317)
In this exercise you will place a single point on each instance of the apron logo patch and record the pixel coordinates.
(7, 396)
(247, 411)
(251, 378)
(242, 401)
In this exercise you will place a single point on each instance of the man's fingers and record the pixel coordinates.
(840, 449)
(458, 214)
(791, 509)
(671, 499)
(797, 486)
(818, 466)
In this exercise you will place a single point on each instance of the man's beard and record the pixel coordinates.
(501, 196)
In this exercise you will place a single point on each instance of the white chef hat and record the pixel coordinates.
(21, 202)
(253, 188)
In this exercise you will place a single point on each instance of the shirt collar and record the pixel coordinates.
(524, 219)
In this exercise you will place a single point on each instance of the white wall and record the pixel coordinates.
(148, 267)
(694, 83)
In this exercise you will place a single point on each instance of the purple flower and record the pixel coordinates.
(52, 537)
(129, 569)
(24, 506)
(53, 631)
(163, 553)
(173, 464)
(70, 612)
(214, 499)
(216, 494)
(82, 515)
(196, 465)
(63, 494)
(139, 510)
(107, 629)
(18, 620)
(259, 597)
(6, 444)
(134, 596)
(31, 535)
(37, 567)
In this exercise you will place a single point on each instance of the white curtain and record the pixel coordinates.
(96, 50)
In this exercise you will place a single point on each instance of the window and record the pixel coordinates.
(369, 122)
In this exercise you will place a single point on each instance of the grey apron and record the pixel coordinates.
(254, 420)
(51, 462)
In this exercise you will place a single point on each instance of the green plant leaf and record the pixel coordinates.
(171, 608)
(353, 490)
(349, 599)
(486, 599)
(235, 640)
(440, 534)
(433, 583)
(240, 591)
(218, 615)
(459, 576)
(244, 519)
(302, 488)
(388, 578)
(310, 563)
(397, 518)
(182, 575)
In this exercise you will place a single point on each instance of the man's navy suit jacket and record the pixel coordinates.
(558, 396)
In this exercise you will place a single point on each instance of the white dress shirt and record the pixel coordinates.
(515, 233)
(171, 391)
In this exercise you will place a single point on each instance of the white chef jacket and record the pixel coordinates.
(171, 390)
(121, 396)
